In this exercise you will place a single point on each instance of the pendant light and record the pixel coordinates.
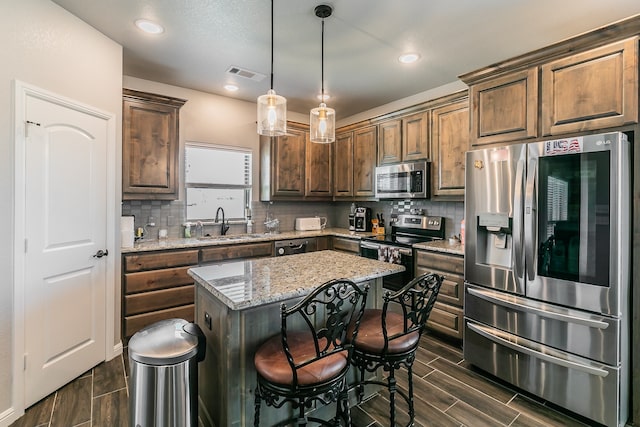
(322, 120)
(272, 108)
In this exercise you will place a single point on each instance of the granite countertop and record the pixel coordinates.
(251, 283)
(193, 242)
(441, 246)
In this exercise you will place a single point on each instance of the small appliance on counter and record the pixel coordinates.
(362, 219)
(352, 221)
(309, 224)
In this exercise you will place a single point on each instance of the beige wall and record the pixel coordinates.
(45, 46)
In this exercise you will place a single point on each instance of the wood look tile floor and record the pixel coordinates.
(447, 392)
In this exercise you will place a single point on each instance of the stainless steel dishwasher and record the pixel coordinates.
(295, 246)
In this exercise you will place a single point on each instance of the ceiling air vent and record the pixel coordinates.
(247, 74)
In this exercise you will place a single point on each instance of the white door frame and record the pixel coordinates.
(113, 348)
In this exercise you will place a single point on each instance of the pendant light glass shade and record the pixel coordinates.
(272, 114)
(322, 120)
(272, 108)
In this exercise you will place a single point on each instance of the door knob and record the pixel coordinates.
(101, 253)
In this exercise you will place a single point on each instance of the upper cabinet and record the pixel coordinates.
(365, 145)
(390, 141)
(586, 83)
(319, 169)
(505, 108)
(355, 162)
(294, 168)
(150, 146)
(404, 138)
(592, 90)
(450, 142)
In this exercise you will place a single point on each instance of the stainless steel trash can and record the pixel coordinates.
(163, 379)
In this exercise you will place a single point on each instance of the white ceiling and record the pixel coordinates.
(363, 39)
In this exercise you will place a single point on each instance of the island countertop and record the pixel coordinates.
(251, 283)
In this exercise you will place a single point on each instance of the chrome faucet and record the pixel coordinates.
(223, 228)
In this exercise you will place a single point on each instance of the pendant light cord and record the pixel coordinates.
(271, 44)
(322, 62)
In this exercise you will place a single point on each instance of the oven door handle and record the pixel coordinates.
(537, 354)
(403, 251)
(366, 245)
(536, 309)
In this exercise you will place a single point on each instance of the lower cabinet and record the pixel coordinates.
(447, 314)
(156, 286)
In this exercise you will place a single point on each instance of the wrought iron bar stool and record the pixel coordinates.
(309, 359)
(389, 337)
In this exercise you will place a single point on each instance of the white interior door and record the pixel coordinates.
(65, 227)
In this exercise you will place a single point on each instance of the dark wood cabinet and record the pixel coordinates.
(282, 165)
(586, 83)
(593, 90)
(415, 136)
(450, 142)
(225, 253)
(156, 286)
(150, 146)
(355, 163)
(390, 141)
(294, 168)
(505, 108)
(365, 146)
(448, 313)
(343, 166)
(319, 169)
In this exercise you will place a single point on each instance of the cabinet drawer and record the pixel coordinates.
(132, 324)
(150, 261)
(452, 289)
(440, 262)
(346, 245)
(144, 281)
(446, 319)
(222, 253)
(158, 300)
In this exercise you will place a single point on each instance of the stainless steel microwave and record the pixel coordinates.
(408, 180)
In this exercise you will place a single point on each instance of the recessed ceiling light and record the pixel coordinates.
(323, 99)
(231, 87)
(149, 26)
(408, 58)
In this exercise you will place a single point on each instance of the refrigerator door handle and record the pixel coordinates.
(518, 218)
(530, 209)
(537, 354)
(535, 308)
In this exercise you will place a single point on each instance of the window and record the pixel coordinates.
(217, 176)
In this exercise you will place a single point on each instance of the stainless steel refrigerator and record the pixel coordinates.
(547, 255)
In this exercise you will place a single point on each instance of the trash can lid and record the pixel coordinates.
(163, 343)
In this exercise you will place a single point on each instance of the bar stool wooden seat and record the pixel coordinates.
(389, 337)
(309, 359)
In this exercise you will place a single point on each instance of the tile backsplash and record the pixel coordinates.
(170, 215)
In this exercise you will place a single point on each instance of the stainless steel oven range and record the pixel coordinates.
(547, 273)
(397, 247)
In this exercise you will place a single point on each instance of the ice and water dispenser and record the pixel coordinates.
(494, 239)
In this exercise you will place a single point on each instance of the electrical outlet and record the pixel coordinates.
(151, 222)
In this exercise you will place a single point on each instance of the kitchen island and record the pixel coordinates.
(238, 307)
